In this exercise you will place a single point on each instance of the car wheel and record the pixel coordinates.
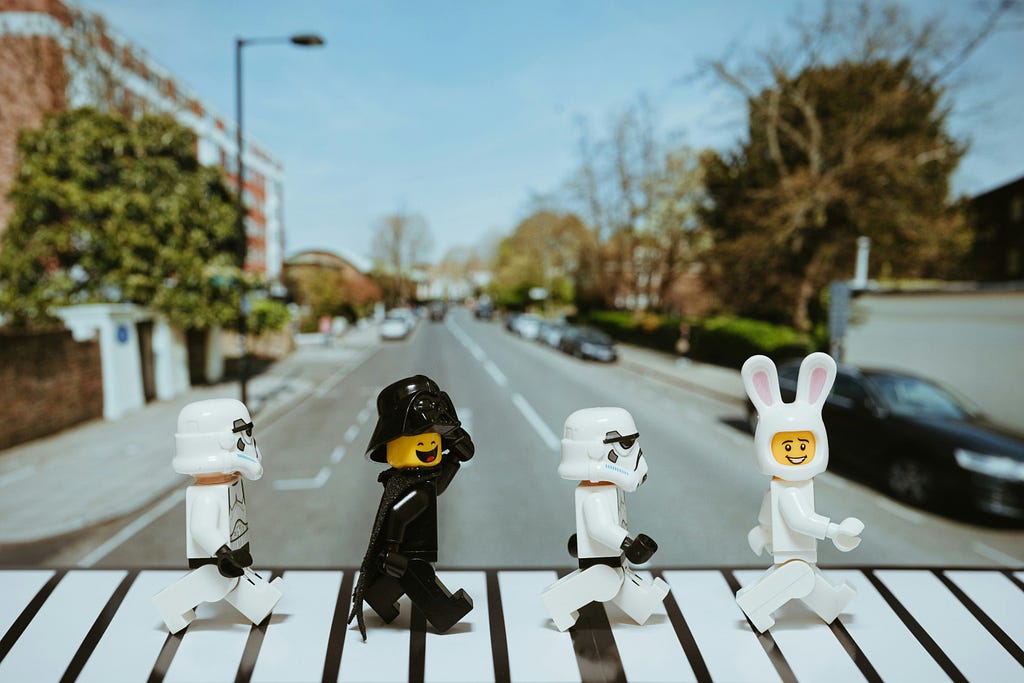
(910, 481)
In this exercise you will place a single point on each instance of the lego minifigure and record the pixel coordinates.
(792, 447)
(601, 450)
(419, 434)
(215, 444)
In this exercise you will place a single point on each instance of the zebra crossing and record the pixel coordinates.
(99, 625)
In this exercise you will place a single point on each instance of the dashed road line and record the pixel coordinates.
(496, 374)
(337, 454)
(304, 484)
(351, 433)
(539, 426)
(140, 523)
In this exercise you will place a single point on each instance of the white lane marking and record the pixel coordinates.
(900, 511)
(304, 484)
(466, 340)
(496, 374)
(17, 475)
(328, 384)
(351, 433)
(996, 555)
(539, 426)
(363, 415)
(140, 523)
(337, 455)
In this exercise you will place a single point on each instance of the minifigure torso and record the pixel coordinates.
(600, 520)
(420, 538)
(787, 543)
(231, 523)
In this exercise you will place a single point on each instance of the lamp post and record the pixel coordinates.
(302, 40)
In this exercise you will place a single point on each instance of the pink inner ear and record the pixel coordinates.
(818, 376)
(762, 388)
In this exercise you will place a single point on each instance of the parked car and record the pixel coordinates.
(588, 343)
(527, 326)
(919, 441)
(551, 332)
(394, 326)
(484, 309)
(510, 320)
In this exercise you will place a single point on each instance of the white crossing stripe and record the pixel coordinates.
(51, 640)
(384, 657)
(808, 644)
(295, 643)
(133, 639)
(651, 652)
(463, 653)
(16, 591)
(537, 651)
(997, 596)
(212, 646)
(724, 637)
(882, 636)
(970, 647)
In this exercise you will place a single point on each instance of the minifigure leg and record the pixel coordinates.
(382, 596)
(775, 588)
(563, 598)
(828, 600)
(442, 609)
(639, 598)
(254, 597)
(177, 602)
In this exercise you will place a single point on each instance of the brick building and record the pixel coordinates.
(54, 55)
(998, 219)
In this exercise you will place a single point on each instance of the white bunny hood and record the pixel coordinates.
(761, 381)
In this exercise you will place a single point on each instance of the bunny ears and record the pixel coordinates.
(761, 380)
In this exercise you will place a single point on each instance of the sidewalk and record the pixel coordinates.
(98, 471)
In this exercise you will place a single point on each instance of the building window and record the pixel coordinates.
(1017, 209)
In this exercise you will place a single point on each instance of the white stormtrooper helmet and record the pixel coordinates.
(795, 457)
(603, 444)
(215, 436)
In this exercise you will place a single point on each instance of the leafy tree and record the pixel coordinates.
(545, 250)
(847, 136)
(112, 210)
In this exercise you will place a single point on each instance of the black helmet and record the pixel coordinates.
(416, 405)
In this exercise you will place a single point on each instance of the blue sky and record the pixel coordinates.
(461, 110)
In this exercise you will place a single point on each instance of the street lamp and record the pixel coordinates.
(302, 40)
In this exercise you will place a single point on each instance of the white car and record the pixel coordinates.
(394, 327)
(527, 326)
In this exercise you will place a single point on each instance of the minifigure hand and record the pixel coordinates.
(639, 549)
(394, 563)
(846, 535)
(228, 564)
(759, 540)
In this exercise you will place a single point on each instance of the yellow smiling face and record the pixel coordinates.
(793, 448)
(418, 450)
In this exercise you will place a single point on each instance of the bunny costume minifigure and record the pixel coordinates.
(792, 447)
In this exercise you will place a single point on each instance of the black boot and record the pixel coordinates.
(442, 609)
(382, 595)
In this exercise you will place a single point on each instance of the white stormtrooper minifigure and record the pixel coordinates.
(214, 443)
(792, 447)
(601, 450)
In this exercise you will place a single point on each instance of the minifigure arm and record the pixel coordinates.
(799, 517)
(203, 523)
(600, 524)
(760, 537)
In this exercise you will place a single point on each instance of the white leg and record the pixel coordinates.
(779, 585)
(563, 598)
(254, 597)
(828, 600)
(178, 601)
(638, 598)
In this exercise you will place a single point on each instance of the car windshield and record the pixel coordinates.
(595, 337)
(913, 397)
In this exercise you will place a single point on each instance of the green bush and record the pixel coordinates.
(722, 340)
(267, 316)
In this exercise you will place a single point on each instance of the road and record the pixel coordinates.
(508, 507)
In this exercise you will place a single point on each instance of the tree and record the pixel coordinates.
(641, 194)
(112, 210)
(400, 242)
(847, 136)
(545, 250)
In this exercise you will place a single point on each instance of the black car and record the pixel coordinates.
(438, 310)
(586, 342)
(920, 442)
